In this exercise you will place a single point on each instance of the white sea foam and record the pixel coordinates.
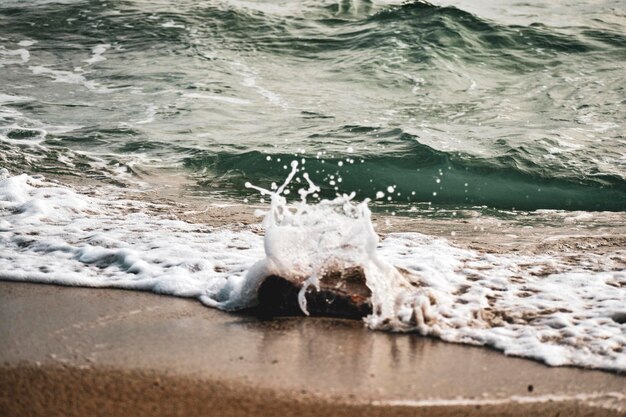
(22, 53)
(49, 233)
(9, 99)
(172, 24)
(69, 77)
(96, 53)
(542, 307)
(26, 43)
(225, 99)
(249, 80)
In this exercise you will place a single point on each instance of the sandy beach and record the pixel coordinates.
(85, 352)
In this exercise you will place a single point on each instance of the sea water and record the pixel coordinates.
(447, 114)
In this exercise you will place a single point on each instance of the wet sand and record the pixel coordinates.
(85, 352)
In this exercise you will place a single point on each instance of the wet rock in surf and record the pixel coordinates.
(341, 294)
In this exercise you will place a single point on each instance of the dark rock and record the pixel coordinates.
(342, 294)
(619, 317)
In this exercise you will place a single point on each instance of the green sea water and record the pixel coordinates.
(502, 105)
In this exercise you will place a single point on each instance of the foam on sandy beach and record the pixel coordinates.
(544, 307)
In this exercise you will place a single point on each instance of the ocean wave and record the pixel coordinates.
(423, 174)
(429, 31)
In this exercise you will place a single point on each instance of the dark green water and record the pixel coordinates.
(504, 105)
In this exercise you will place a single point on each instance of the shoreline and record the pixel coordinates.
(554, 232)
(76, 351)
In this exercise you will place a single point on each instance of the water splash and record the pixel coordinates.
(425, 285)
(304, 241)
